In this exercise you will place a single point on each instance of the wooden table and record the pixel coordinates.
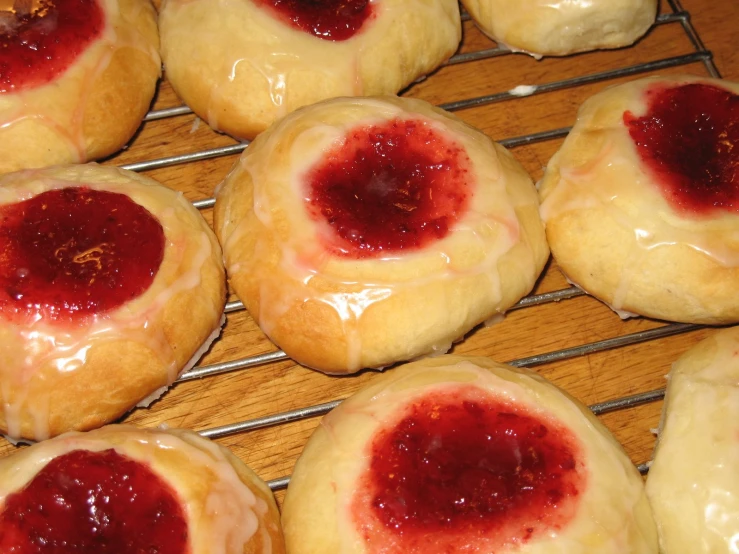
(280, 386)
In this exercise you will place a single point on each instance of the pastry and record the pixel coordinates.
(464, 455)
(100, 269)
(693, 484)
(547, 28)
(242, 64)
(126, 490)
(640, 204)
(65, 67)
(364, 231)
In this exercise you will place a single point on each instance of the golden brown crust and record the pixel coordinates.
(107, 368)
(229, 509)
(240, 69)
(613, 515)
(340, 315)
(546, 28)
(613, 233)
(91, 110)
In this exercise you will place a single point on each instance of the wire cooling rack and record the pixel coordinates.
(673, 15)
(676, 16)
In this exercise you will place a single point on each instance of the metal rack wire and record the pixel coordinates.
(678, 16)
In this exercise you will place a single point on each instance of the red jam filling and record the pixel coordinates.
(388, 188)
(72, 253)
(40, 39)
(334, 20)
(94, 503)
(456, 470)
(689, 140)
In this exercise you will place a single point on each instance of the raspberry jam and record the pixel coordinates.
(689, 140)
(72, 253)
(334, 20)
(94, 503)
(388, 188)
(40, 39)
(457, 469)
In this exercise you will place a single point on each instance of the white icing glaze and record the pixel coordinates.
(627, 192)
(64, 117)
(653, 223)
(222, 513)
(557, 28)
(240, 49)
(490, 228)
(495, 320)
(233, 509)
(599, 168)
(276, 59)
(29, 351)
(146, 402)
(693, 483)
(612, 514)
(195, 125)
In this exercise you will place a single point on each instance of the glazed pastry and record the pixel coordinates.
(242, 64)
(464, 455)
(65, 67)
(364, 231)
(639, 203)
(122, 489)
(100, 269)
(693, 484)
(558, 28)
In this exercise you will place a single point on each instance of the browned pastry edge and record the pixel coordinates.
(117, 374)
(113, 107)
(411, 321)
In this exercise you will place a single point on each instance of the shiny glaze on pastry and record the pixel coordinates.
(692, 484)
(38, 347)
(225, 508)
(54, 109)
(454, 454)
(561, 27)
(94, 501)
(627, 220)
(240, 67)
(372, 302)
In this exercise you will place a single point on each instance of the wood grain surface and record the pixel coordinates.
(280, 386)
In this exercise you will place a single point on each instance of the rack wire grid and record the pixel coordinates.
(678, 16)
(673, 15)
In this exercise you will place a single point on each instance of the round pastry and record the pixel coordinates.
(641, 205)
(693, 484)
(65, 67)
(128, 491)
(100, 269)
(364, 231)
(464, 455)
(243, 64)
(546, 28)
